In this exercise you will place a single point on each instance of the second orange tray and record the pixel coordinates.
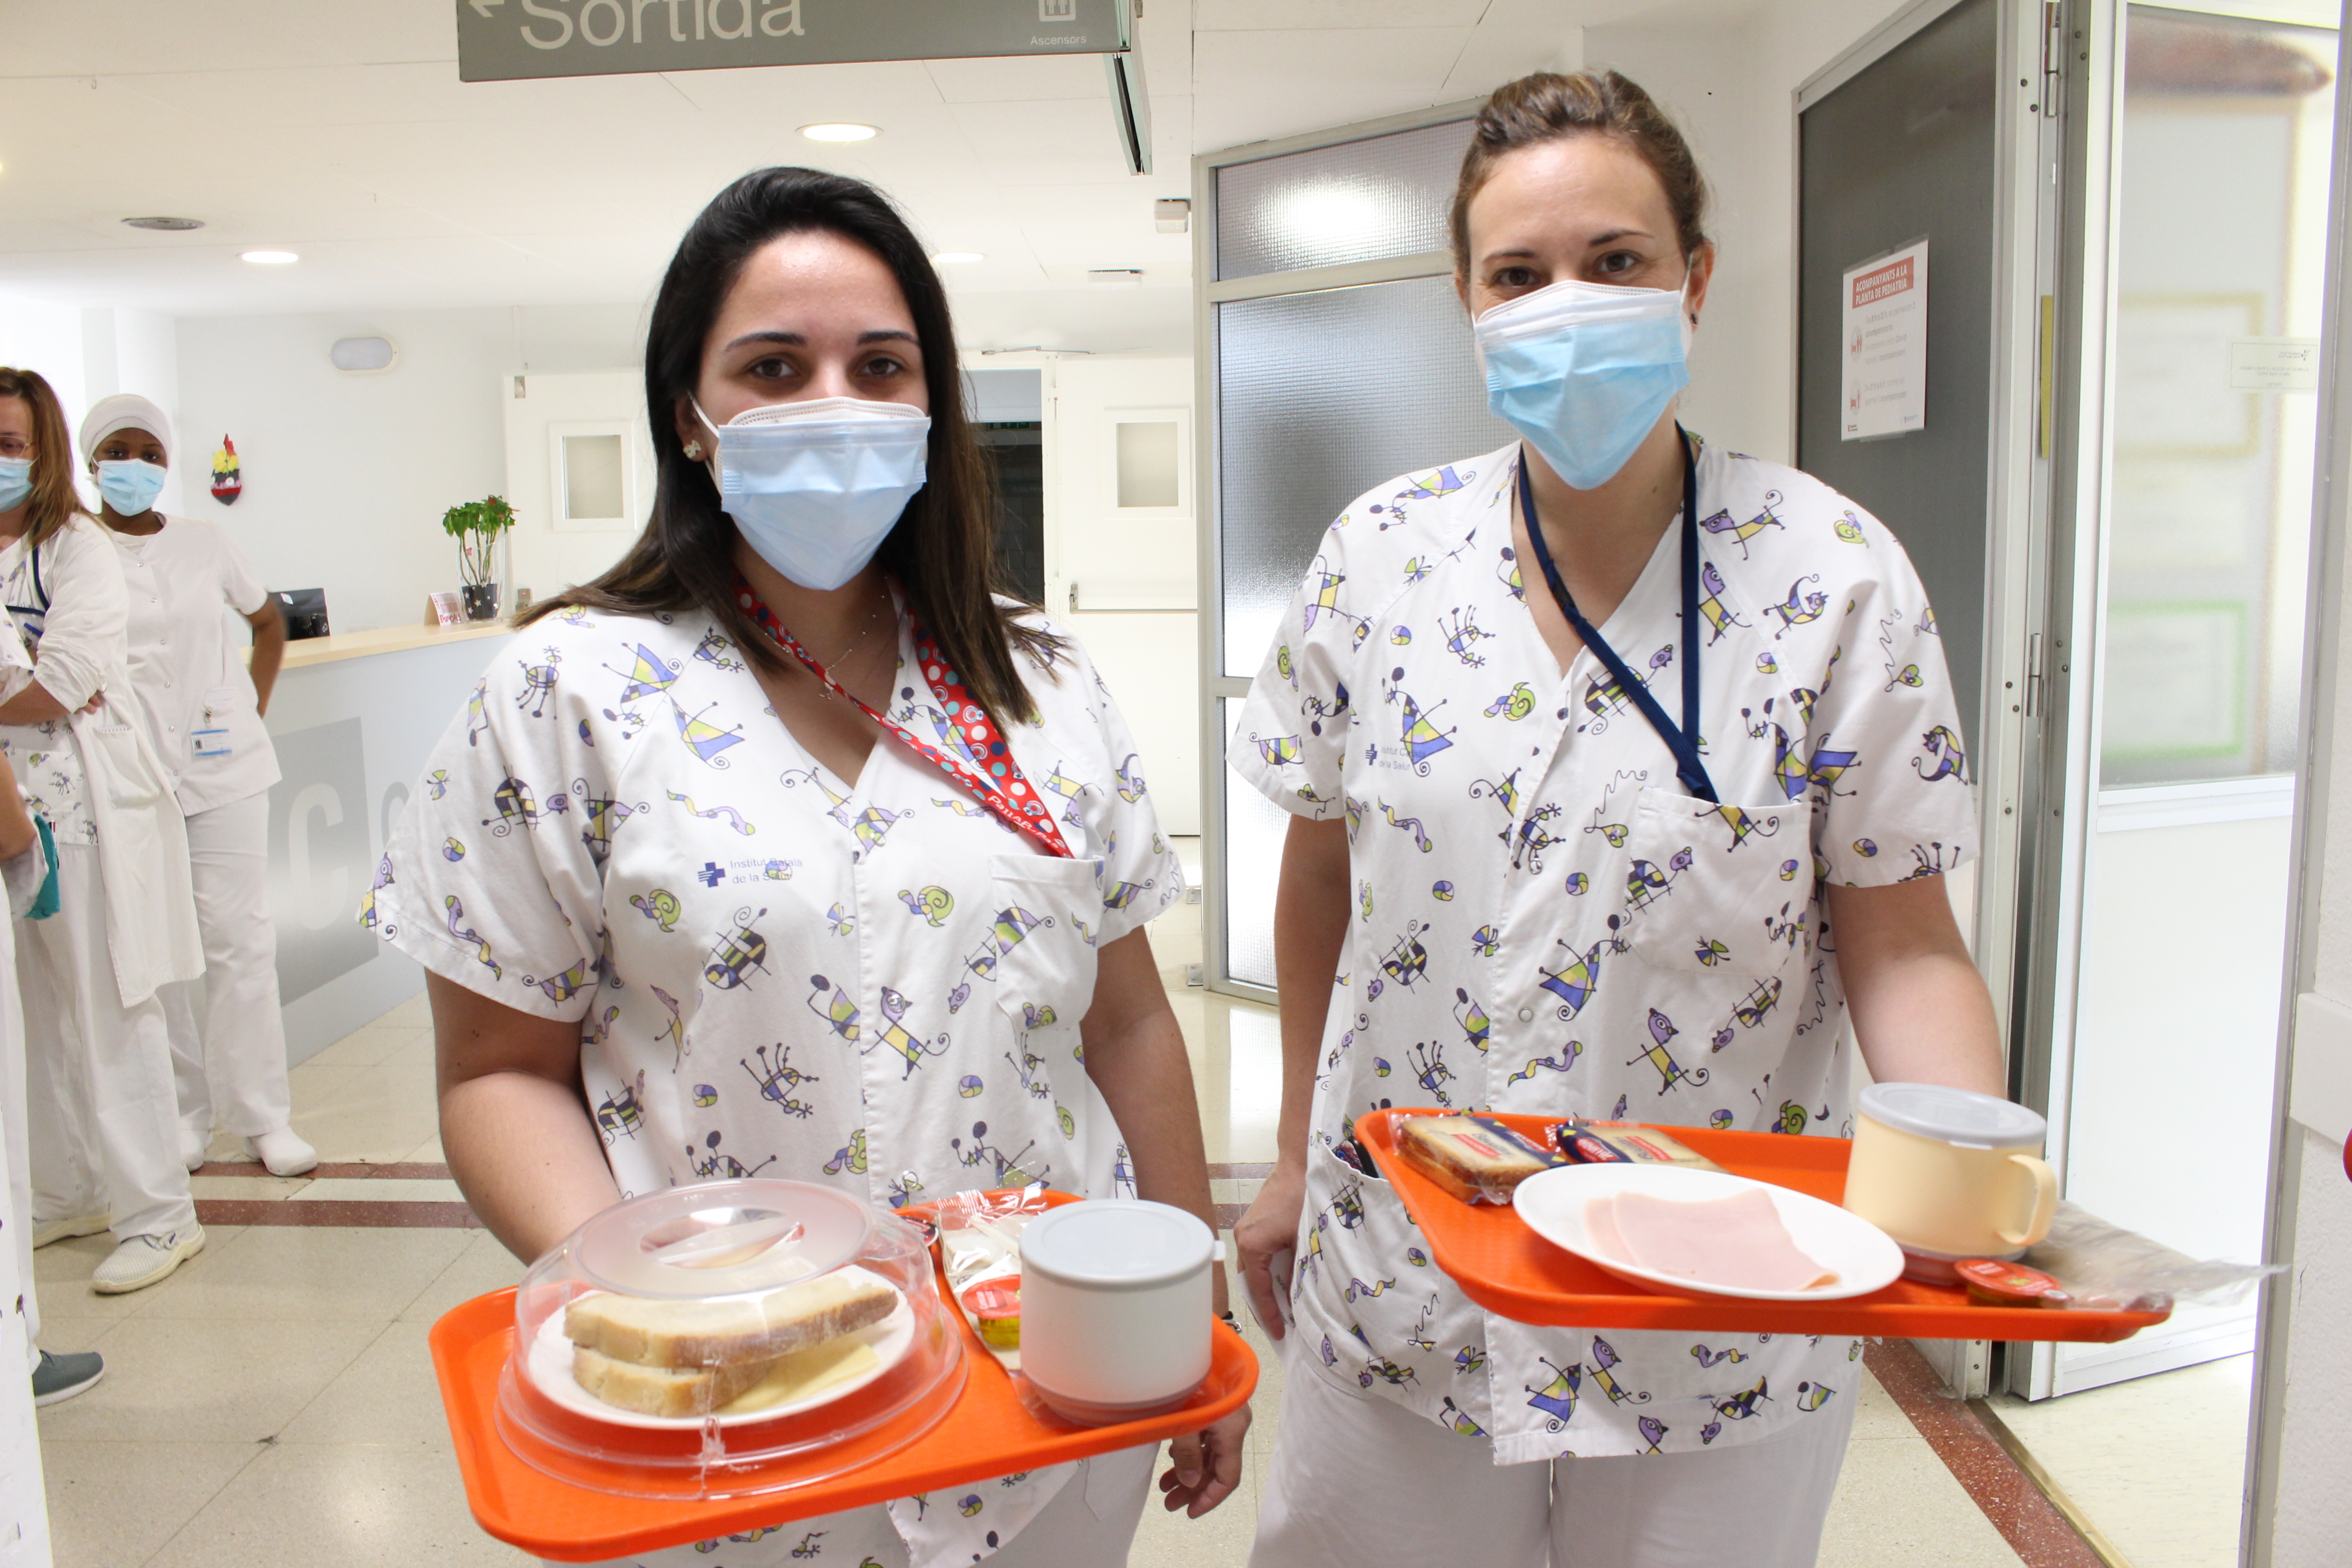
(988, 1433)
(1510, 1269)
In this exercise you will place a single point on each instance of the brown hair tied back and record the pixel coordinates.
(1548, 107)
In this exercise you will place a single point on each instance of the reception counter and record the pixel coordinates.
(353, 718)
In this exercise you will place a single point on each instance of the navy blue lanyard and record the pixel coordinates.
(1682, 740)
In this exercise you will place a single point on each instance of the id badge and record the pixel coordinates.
(211, 742)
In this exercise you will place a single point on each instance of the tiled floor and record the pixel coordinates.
(273, 1403)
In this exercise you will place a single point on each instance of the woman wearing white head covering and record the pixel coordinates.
(204, 709)
(99, 1067)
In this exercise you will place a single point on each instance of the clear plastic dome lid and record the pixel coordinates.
(728, 1338)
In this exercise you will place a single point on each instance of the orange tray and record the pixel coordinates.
(988, 1433)
(1510, 1269)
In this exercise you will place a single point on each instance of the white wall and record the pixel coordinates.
(1731, 86)
(346, 477)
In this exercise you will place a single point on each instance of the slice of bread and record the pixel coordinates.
(662, 1391)
(697, 1336)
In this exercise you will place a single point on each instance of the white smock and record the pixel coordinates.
(872, 984)
(96, 776)
(1542, 921)
(189, 673)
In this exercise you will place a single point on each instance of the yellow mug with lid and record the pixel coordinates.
(1949, 1173)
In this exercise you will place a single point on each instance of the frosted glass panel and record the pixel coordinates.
(1321, 398)
(1254, 830)
(1147, 463)
(592, 477)
(2227, 126)
(1360, 201)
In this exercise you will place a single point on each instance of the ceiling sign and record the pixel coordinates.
(501, 40)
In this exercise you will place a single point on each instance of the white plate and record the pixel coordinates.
(551, 1372)
(1864, 1257)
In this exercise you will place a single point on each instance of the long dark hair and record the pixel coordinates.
(941, 552)
(53, 502)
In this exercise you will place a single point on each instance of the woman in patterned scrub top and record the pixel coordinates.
(1502, 889)
(689, 910)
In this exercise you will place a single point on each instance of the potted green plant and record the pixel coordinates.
(475, 526)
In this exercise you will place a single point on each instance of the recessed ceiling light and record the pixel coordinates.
(956, 257)
(269, 257)
(164, 225)
(839, 132)
(1116, 277)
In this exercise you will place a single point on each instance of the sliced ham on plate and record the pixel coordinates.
(1735, 1243)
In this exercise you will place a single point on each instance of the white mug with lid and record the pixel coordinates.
(1949, 1173)
(1115, 1306)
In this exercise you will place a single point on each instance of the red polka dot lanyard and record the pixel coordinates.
(1002, 789)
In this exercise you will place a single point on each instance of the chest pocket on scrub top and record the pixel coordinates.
(1718, 890)
(1041, 932)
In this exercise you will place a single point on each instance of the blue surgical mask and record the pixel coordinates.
(816, 486)
(129, 485)
(1583, 370)
(15, 482)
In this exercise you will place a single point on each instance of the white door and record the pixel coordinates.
(2183, 698)
(1122, 553)
(579, 475)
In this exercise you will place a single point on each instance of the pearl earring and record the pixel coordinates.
(694, 451)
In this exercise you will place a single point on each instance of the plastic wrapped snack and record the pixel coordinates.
(1623, 1143)
(2105, 1267)
(979, 1246)
(1475, 1158)
(714, 1339)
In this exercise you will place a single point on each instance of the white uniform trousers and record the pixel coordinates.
(230, 1065)
(105, 1128)
(1090, 1523)
(1359, 1481)
(15, 1133)
(23, 1515)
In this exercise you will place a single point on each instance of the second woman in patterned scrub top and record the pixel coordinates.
(1550, 886)
(796, 853)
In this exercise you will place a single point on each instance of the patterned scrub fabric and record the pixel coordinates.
(1542, 921)
(868, 984)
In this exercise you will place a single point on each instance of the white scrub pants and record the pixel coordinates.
(14, 1131)
(105, 1129)
(231, 1067)
(1356, 1482)
(1090, 1523)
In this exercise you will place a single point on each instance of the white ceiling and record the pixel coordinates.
(339, 129)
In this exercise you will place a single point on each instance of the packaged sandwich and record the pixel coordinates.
(696, 1333)
(1475, 1158)
(1582, 1142)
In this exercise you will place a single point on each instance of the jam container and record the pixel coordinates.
(716, 1340)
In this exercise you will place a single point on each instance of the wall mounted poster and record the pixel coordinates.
(1886, 378)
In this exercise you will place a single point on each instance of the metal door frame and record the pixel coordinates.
(1208, 291)
(2019, 492)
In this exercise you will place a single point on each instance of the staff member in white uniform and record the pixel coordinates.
(105, 1143)
(24, 870)
(183, 576)
(795, 852)
(1622, 772)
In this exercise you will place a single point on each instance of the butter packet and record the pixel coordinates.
(1623, 1143)
(1474, 1158)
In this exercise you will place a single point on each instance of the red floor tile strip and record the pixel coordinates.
(395, 1171)
(366, 1213)
(2027, 1520)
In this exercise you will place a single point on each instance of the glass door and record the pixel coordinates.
(2161, 1081)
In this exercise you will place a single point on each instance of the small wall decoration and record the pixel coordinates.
(228, 475)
